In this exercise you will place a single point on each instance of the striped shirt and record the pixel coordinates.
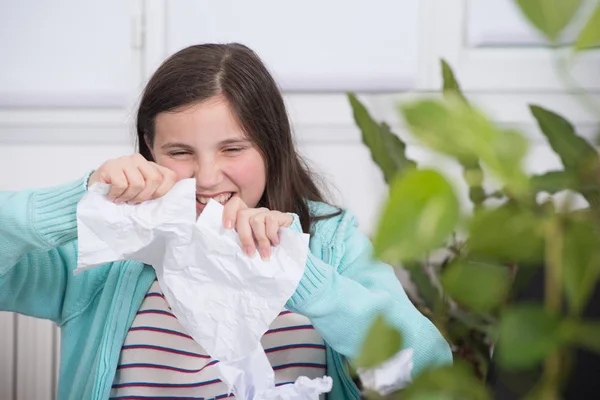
(160, 360)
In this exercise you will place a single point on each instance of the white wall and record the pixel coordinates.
(71, 71)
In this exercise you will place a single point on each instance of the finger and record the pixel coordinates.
(118, 183)
(231, 211)
(244, 230)
(136, 184)
(168, 181)
(286, 220)
(272, 225)
(152, 178)
(258, 224)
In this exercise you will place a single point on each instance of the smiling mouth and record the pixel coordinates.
(222, 198)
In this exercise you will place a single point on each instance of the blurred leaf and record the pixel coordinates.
(553, 182)
(590, 35)
(421, 212)
(506, 234)
(528, 333)
(478, 286)
(585, 334)
(456, 382)
(579, 157)
(581, 261)
(451, 86)
(429, 396)
(475, 321)
(454, 128)
(549, 16)
(427, 291)
(396, 148)
(574, 151)
(387, 150)
(382, 342)
(472, 171)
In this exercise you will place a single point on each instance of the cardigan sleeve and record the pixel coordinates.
(38, 231)
(342, 301)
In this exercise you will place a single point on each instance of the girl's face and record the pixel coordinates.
(204, 141)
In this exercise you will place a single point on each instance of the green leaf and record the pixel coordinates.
(459, 130)
(472, 171)
(382, 342)
(581, 261)
(456, 382)
(387, 150)
(575, 152)
(506, 234)
(427, 291)
(421, 212)
(549, 16)
(590, 35)
(585, 334)
(553, 182)
(429, 396)
(478, 286)
(461, 319)
(451, 85)
(396, 148)
(528, 333)
(578, 156)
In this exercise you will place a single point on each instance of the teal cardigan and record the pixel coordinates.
(342, 291)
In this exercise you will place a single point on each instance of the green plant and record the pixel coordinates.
(470, 294)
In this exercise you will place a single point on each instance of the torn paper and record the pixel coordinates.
(240, 296)
(391, 375)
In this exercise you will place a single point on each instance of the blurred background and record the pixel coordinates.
(71, 72)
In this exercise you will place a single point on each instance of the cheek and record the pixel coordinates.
(249, 173)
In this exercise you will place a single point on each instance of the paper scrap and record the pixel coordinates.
(391, 375)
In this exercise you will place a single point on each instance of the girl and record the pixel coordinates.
(212, 112)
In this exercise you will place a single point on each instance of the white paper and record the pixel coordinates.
(223, 298)
(392, 375)
(250, 381)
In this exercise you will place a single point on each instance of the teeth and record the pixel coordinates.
(222, 198)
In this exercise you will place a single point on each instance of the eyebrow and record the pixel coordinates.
(234, 141)
(173, 145)
(180, 145)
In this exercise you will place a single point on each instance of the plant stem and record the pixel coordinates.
(553, 302)
(553, 256)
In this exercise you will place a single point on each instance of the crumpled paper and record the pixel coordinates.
(223, 298)
(391, 375)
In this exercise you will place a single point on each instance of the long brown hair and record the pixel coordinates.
(200, 72)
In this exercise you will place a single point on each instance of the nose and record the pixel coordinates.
(208, 174)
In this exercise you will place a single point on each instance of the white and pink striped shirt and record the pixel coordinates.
(159, 360)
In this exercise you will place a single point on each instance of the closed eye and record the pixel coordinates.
(234, 149)
(178, 153)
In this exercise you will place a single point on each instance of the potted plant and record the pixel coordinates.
(472, 294)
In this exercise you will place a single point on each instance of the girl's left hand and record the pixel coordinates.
(255, 225)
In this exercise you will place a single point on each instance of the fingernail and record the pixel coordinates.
(249, 250)
(264, 254)
(229, 224)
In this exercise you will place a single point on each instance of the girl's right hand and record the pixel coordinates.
(133, 179)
